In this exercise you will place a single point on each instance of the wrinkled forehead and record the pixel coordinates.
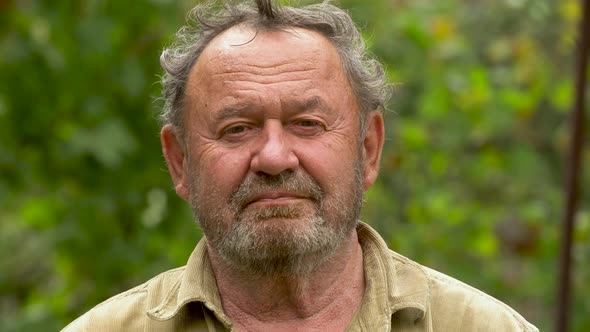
(268, 49)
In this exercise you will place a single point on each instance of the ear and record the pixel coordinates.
(175, 158)
(372, 147)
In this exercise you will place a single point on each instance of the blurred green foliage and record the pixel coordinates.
(471, 173)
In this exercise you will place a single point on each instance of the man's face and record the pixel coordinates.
(274, 165)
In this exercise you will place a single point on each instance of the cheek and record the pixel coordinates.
(331, 165)
(220, 172)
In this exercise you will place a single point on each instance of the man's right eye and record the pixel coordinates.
(236, 131)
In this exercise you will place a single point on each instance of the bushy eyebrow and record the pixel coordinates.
(231, 111)
(314, 103)
(309, 104)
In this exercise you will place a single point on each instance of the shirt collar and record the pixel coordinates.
(395, 284)
(197, 284)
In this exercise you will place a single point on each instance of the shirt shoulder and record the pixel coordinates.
(127, 311)
(456, 306)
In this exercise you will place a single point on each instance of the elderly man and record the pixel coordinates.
(273, 132)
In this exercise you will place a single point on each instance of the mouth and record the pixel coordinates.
(275, 197)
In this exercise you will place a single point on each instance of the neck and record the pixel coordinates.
(325, 298)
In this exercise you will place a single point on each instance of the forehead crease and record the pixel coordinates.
(260, 64)
(255, 73)
(236, 74)
(257, 61)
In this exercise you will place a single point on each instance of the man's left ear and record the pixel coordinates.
(372, 147)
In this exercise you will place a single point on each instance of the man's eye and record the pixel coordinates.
(307, 127)
(236, 131)
(308, 123)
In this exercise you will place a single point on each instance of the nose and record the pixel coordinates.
(274, 154)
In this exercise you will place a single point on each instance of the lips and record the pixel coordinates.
(274, 196)
(278, 190)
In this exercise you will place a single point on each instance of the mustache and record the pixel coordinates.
(297, 182)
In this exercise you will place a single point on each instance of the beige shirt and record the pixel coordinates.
(400, 295)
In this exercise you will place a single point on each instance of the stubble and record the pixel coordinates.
(289, 239)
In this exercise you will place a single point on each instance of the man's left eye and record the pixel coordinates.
(309, 123)
(307, 127)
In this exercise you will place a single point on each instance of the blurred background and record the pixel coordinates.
(471, 180)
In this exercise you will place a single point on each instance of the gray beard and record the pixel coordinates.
(253, 243)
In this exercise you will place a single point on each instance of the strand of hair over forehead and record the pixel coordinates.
(265, 8)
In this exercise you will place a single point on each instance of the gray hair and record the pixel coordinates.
(207, 20)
